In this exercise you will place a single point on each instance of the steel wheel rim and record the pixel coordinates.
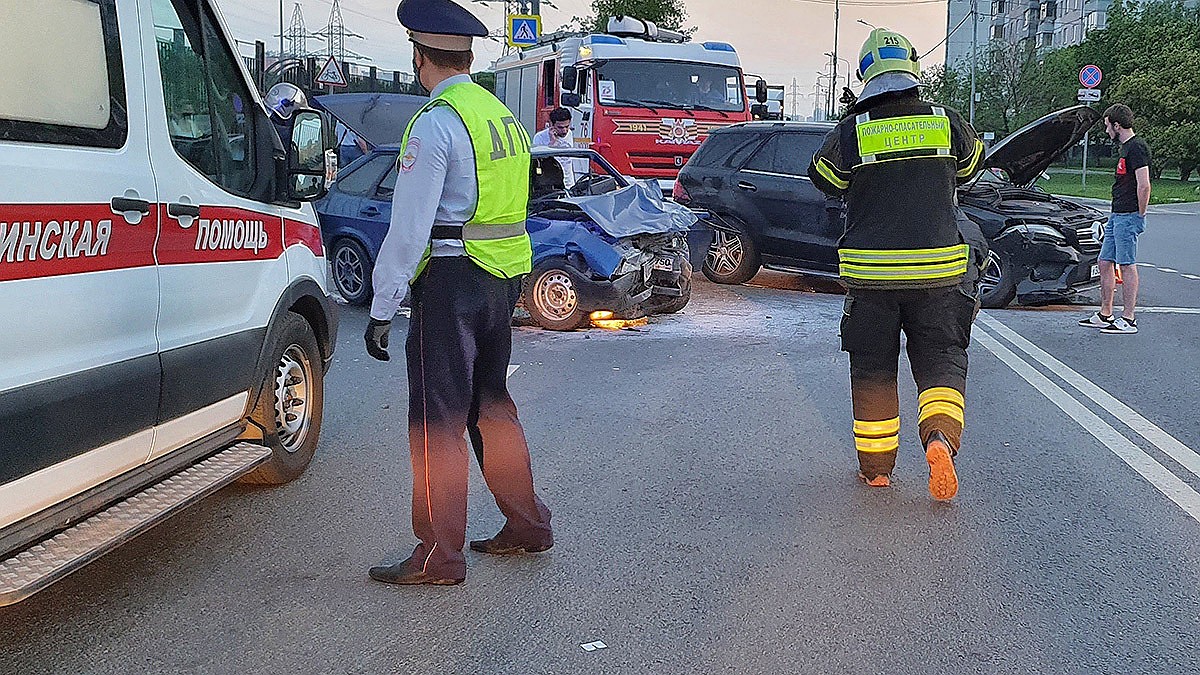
(990, 277)
(554, 296)
(348, 271)
(726, 253)
(293, 413)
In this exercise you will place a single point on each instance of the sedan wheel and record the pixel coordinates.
(732, 258)
(551, 298)
(997, 283)
(351, 271)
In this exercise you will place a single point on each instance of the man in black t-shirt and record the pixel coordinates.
(1130, 197)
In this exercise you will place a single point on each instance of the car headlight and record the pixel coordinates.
(1044, 233)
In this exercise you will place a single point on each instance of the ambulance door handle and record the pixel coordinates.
(748, 187)
(128, 204)
(177, 210)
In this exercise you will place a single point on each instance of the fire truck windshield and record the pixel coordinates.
(657, 84)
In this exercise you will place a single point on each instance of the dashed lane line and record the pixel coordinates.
(1168, 444)
(511, 369)
(1163, 480)
(1170, 310)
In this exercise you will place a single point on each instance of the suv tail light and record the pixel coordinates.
(679, 194)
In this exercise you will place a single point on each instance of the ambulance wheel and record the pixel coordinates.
(352, 269)
(997, 282)
(551, 298)
(732, 258)
(290, 403)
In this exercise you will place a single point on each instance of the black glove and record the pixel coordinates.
(377, 339)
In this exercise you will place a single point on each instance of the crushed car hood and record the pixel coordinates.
(636, 209)
(378, 119)
(1030, 150)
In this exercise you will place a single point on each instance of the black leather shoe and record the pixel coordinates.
(408, 574)
(498, 546)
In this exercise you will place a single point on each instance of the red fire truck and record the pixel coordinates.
(641, 96)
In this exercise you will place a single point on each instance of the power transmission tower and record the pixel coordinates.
(335, 34)
(795, 95)
(297, 35)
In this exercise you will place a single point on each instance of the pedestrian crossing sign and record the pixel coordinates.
(524, 30)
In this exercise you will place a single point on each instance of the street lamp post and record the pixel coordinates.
(836, 17)
(974, 56)
(848, 68)
(280, 30)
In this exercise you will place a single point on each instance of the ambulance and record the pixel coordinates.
(166, 321)
(644, 97)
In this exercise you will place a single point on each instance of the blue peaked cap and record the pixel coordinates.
(439, 17)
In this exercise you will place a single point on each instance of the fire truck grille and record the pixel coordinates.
(659, 163)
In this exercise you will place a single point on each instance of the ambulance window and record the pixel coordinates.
(210, 113)
(64, 81)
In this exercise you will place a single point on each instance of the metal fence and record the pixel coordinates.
(302, 73)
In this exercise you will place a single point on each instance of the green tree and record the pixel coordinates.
(669, 14)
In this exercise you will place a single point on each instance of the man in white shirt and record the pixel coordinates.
(558, 135)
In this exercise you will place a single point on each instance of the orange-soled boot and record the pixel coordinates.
(943, 481)
(882, 480)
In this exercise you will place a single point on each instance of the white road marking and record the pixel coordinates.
(1147, 265)
(511, 369)
(1168, 269)
(1170, 310)
(1164, 441)
(1189, 276)
(1163, 480)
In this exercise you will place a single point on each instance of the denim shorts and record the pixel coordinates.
(1120, 238)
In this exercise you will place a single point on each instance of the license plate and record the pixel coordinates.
(664, 264)
(1095, 271)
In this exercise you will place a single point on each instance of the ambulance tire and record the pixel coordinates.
(733, 257)
(550, 296)
(291, 426)
(998, 282)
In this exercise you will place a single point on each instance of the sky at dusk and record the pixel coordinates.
(777, 39)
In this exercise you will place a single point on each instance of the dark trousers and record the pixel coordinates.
(459, 346)
(937, 324)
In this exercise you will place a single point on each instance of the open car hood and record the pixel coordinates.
(378, 119)
(1030, 150)
(636, 209)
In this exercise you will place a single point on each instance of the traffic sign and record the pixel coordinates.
(1090, 76)
(524, 30)
(1089, 95)
(331, 74)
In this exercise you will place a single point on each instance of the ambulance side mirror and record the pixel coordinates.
(760, 91)
(308, 158)
(570, 78)
(570, 99)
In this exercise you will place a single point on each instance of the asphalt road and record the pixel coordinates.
(701, 474)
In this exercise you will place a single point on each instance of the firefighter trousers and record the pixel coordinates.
(937, 325)
(458, 349)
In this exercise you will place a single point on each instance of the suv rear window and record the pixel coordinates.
(726, 149)
(63, 81)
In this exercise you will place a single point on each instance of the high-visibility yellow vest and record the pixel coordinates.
(494, 236)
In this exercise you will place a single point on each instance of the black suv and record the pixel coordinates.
(752, 178)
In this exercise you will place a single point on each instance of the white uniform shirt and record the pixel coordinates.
(570, 166)
(436, 182)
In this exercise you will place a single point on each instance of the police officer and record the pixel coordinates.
(458, 235)
(897, 161)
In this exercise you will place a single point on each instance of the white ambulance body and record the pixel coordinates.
(162, 280)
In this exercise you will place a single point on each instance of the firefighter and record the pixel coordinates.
(897, 161)
(458, 234)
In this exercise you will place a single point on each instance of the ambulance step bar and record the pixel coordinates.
(40, 565)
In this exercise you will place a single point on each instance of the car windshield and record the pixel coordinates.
(670, 84)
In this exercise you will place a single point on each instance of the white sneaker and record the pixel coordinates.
(1097, 320)
(1121, 326)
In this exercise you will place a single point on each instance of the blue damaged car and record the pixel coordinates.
(603, 243)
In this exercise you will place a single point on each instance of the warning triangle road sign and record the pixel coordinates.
(331, 74)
